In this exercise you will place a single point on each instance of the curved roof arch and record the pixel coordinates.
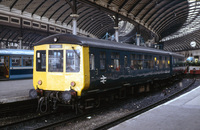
(96, 17)
(144, 12)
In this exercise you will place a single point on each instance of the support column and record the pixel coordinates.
(74, 22)
(138, 39)
(20, 43)
(21, 35)
(116, 19)
(116, 34)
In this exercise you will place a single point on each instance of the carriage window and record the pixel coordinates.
(116, 64)
(139, 63)
(168, 62)
(55, 61)
(165, 62)
(133, 62)
(102, 60)
(16, 61)
(27, 60)
(72, 61)
(41, 60)
(125, 61)
(146, 62)
(156, 61)
(151, 62)
(115, 61)
(174, 61)
(92, 62)
(160, 62)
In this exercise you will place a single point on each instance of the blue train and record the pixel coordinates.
(16, 64)
(79, 71)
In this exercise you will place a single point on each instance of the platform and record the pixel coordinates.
(182, 113)
(15, 90)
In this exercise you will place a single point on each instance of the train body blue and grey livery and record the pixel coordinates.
(116, 64)
(16, 64)
(103, 65)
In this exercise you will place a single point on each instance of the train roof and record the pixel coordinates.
(16, 52)
(99, 43)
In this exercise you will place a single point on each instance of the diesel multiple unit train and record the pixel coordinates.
(77, 71)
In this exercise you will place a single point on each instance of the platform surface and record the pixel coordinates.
(182, 113)
(15, 90)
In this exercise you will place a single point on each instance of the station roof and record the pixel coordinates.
(95, 17)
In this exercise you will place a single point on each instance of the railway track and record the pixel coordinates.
(44, 122)
(140, 111)
(18, 107)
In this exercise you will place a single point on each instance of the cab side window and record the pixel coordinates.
(41, 60)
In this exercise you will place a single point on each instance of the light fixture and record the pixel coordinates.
(73, 83)
(40, 82)
(55, 39)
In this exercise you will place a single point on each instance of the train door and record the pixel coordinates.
(1, 67)
(97, 68)
(93, 68)
(4, 66)
(97, 65)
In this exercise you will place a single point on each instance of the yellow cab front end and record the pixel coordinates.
(61, 70)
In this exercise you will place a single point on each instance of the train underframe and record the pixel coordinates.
(49, 100)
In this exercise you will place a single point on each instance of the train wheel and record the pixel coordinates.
(80, 106)
(97, 102)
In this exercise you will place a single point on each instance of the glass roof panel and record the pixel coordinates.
(192, 23)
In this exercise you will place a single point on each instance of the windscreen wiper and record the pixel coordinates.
(75, 52)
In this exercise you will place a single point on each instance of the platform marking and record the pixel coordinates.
(168, 102)
(181, 96)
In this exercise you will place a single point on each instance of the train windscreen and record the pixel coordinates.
(55, 62)
(72, 60)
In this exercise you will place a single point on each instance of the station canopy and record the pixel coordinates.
(95, 18)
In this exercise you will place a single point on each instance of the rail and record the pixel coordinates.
(73, 118)
(140, 111)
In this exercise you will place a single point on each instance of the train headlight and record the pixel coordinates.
(73, 83)
(40, 82)
(55, 39)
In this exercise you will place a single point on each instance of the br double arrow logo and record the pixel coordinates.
(103, 79)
